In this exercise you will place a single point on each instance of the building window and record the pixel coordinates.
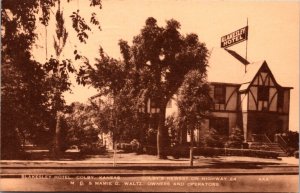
(263, 93)
(220, 124)
(280, 98)
(219, 94)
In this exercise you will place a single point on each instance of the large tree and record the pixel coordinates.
(154, 66)
(31, 92)
(162, 57)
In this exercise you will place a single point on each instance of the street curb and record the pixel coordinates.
(121, 166)
(211, 173)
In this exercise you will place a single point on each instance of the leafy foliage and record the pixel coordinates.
(80, 26)
(236, 138)
(194, 101)
(173, 130)
(182, 151)
(61, 33)
(31, 93)
(292, 139)
(83, 126)
(213, 139)
(155, 66)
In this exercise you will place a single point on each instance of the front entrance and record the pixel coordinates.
(264, 125)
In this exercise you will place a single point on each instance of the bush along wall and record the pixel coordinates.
(210, 152)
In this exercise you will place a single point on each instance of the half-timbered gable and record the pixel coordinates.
(266, 108)
(265, 94)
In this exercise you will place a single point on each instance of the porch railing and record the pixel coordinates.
(267, 138)
(282, 143)
(260, 138)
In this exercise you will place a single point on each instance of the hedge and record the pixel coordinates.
(183, 151)
(128, 147)
(92, 149)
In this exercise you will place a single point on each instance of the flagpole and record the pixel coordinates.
(246, 45)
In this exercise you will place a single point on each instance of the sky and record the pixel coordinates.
(273, 33)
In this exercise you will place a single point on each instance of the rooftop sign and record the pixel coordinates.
(234, 37)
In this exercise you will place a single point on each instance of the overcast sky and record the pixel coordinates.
(273, 33)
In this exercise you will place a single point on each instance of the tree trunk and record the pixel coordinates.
(142, 130)
(57, 135)
(162, 133)
(191, 148)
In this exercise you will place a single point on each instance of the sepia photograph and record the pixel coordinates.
(149, 96)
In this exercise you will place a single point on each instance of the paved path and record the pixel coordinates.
(146, 164)
(123, 159)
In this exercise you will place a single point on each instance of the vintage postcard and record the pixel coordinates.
(149, 96)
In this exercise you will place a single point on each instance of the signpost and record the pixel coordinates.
(234, 37)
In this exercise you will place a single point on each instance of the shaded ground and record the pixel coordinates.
(134, 160)
(147, 173)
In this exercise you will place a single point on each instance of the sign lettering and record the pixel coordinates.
(234, 37)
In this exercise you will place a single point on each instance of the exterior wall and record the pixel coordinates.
(244, 102)
(244, 109)
(285, 123)
(247, 135)
(252, 98)
(231, 98)
(172, 107)
(107, 140)
(286, 104)
(273, 99)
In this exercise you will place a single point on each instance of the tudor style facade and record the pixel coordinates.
(245, 95)
(265, 109)
(259, 105)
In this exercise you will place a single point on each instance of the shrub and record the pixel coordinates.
(290, 151)
(92, 149)
(263, 147)
(296, 154)
(236, 138)
(151, 137)
(178, 151)
(292, 139)
(133, 146)
(126, 147)
(150, 150)
(211, 152)
(213, 139)
(172, 127)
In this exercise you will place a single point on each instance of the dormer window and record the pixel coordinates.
(219, 94)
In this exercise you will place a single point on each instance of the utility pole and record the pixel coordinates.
(247, 46)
